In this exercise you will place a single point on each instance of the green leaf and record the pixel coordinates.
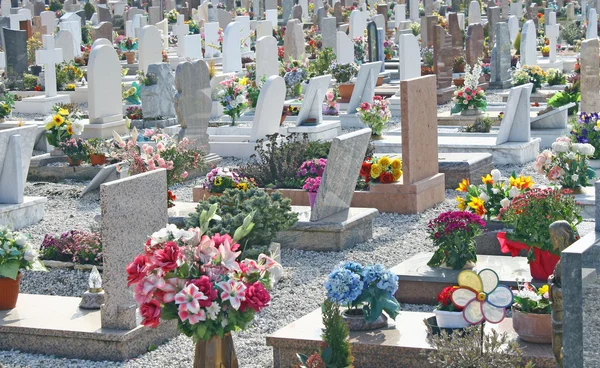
(169, 312)
(37, 265)
(200, 331)
(456, 109)
(10, 269)
(374, 312)
(302, 358)
(437, 258)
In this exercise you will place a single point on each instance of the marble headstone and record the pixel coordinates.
(474, 43)
(516, 126)
(192, 100)
(590, 82)
(312, 104)
(364, 88)
(158, 99)
(104, 85)
(232, 53)
(267, 63)
(501, 58)
(294, 40)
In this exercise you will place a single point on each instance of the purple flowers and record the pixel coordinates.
(312, 168)
(73, 246)
(312, 184)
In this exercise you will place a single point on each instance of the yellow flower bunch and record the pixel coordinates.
(130, 92)
(382, 169)
(521, 182)
(62, 125)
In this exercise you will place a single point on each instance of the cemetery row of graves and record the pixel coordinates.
(303, 183)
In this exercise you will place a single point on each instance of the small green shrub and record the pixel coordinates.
(320, 66)
(571, 33)
(555, 76)
(565, 97)
(481, 125)
(89, 10)
(29, 82)
(272, 214)
(55, 5)
(518, 43)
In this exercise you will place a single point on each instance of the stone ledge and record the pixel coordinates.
(21, 215)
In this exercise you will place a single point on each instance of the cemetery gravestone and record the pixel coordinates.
(410, 62)
(211, 41)
(75, 28)
(592, 28)
(15, 46)
(515, 126)
(64, 40)
(103, 14)
(493, 18)
(232, 53)
(501, 58)
(344, 48)
(268, 108)
(158, 99)
(513, 28)
(329, 31)
(474, 12)
(474, 43)
(38, 27)
(590, 82)
(149, 48)
(364, 88)
(442, 58)
(294, 41)
(48, 21)
(192, 46)
(267, 63)
(103, 30)
(263, 28)
(312, 104)
(224, 18)
(528, 44)
(49, 57)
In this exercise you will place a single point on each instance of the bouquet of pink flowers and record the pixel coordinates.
(312, 184)
(198, 281)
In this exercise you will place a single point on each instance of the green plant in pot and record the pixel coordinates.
(367, 291)
(532, 314)
(343, 74)
(272, 214)
(15, 253)
(7, 103)
(452, 234)
(75, 149)
(96, 148)
(530, 215)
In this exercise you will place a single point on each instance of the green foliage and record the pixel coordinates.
(456, 351)
(55, 5)
(271, 214)
(30, 81)
(571, 33)
(563, 98)
(335, 334)
(320, 66)
(86, 34)
(518, 43)
(555, 76)
(89, 10)
(481, 125)
(33, 43)
(317, 149)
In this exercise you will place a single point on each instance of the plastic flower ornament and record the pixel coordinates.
(481, 296)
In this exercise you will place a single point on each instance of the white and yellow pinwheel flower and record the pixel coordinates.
(481, 297)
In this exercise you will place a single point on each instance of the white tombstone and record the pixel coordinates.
(149, 48)
(101, 41)
(2, 60)
(345, 49)
(180, 30)
(304, 5)
(232, 53)
(516, 125)
(49, 57)
(104, 88)
(211, 40)
(163, 28)
(49, 21)
(268, 108)
(474, 12)
(64, 40)
(15, 19)
(244, 22)
(95, 20)
(513, 28)
(364, 88)
(414, 10)
(192, 46)
(129, 29)
(552, 18)
(75, 28)
(461, 21)
(25, 13)
(552, 32)
(399, 14)
(6, 5)
(516, 9)
(528, 50)
(271, 15)
(312, 104)
(267, 63)
(263, 28)
(358, 24)
(410, 59)
(139, 22)
(592, 28)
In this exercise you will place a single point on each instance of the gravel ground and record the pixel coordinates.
(395, 239)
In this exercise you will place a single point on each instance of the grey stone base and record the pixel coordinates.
(336, 232)
(149, 124)
(459, 166)
(18, 216)
(501, 84)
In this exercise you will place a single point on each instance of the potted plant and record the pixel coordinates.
(343, 74)
(330, 106)
(220, 179)
(311, 172)
(583, 132)
(75, 149)
(389, 49)
(6, 105)
(232, 95)
(16, 253)
(452, 233)
(567, 163)
(375, 115)
(294, 76)
(447, 314)
(529, 217)
(529, 74)
(171, 16)
(458, 65)
(470, 99)
(427, 57)
(382, 170)
(532, 316)
(210, 295)
(128, 45)
(96, 149)
(367, 291)
(62, 125)
(545, 51)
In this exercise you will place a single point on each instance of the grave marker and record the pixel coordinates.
(312, 104)
(364, 88)
(267, 63)
(515, 125)
(590, 84)
(232, 53)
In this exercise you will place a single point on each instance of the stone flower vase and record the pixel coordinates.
(130, 57)
(446, 319)
(532, 327)
(9, 292)
(355, 319)
(218, 352)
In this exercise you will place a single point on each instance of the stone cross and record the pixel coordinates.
(49, 57)
(180, 29)
(193, 102)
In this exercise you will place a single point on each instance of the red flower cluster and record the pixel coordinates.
(257, 297)
(366, 106)
(365, 170)
(386, 177)
(445, 299)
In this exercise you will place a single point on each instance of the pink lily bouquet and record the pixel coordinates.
(197, 280)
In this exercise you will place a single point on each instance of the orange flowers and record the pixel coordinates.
(464, 185)
(521, 182)
(487, 179)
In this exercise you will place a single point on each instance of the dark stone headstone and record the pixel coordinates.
(82, 16)
(15, 47)
(474, 43)
(337, 13)
(383, 10)
(372, 43)
(104, 14)
(442, 59)
(297, 12)
(14, 3)
(103, 30)
(38, 7)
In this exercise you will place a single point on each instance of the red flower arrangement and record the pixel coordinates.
(444, 299)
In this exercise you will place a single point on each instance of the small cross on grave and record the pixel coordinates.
(49, 57)
(180, 30)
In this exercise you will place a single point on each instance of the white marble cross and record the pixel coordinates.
(180, 30)
(49, 57)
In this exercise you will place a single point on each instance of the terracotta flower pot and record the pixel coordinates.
(97, 160)
(346, 91)
(9, 292)
(544, 263)
(130, 57)
(545, 54)
(533, 327)
(459, 82)
(282, 119)
(379, 81)
(73, 162)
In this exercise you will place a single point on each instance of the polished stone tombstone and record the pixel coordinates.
(505, 6)
(15, 47)
(38, 7)
(191, 46)
(180, 30)
(382, 9)
(16, 148)
(38, 28)
(443, 59)
(474, 43)
(474, 12)
(590, 82)
(409, 61)
(211, 34)
(337, 13)
(263, 28)
(493, 16)
(515, 125)
(358, 24)
(75, 28)
(286, 8)
(592, 28)
(267, 63)
(48, 21)
(501, 58)
(64, 40)
(297, 12)
(456, 33)
(149, 47)
(428, 24)
(103, 30)
(104, 14)
(244, 22)
(372, 42)
(224, 18)
(364, 88)
(528, 53)
(513, 28)
(552, 34)
(154, 15)
(192, 102)
(312, 104)
(329, 32)
(158, 98)
(294, 41)
(232, 52)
